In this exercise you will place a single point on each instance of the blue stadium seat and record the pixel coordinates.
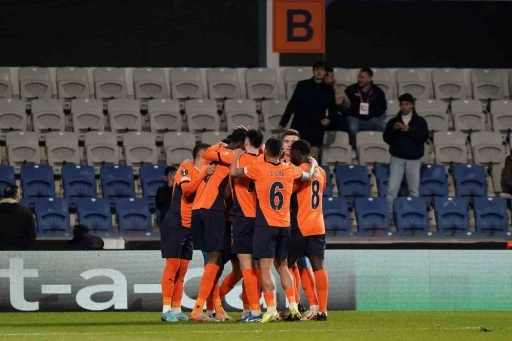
(336, 216)
(381, 178)
(372, 216)
(28, 203)
(470, 180)
(95, 214)
(37, 181)
(52, 216)
(491, 216)
(133, 215)
(78, 182)
(452, 215)
(433, 181)
(117, 181)
(6, 178)
(328, 187)
(151, 177)
(352, 182)
(411, 215)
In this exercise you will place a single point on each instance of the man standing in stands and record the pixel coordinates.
(18, 229)
(164, 193)
(367, 106)
(313, 106)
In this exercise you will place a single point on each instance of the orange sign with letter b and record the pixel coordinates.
(299, 26)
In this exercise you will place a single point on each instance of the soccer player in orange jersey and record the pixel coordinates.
(308, 231)
(274, 183)
(176, 239)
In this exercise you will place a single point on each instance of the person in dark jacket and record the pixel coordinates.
(82, 240)
(406, 135)
(17, 226)
(506, 175)
(164, 193)
(313, 106)
(367, 106)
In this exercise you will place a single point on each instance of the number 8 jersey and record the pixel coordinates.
(274, 187)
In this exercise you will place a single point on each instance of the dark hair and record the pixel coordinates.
(198, 148)
(11, 191)
(290, 132)
(368, 71)
(406, 98)
(319, 64)
(170, 169)
(80, 230)
(328, 69)
(255, 138)
(238, 135)
(302, 146)
(273, 146)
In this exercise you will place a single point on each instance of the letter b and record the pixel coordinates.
(293, 22)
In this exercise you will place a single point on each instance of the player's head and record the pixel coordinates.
(319, 71)
(273, 147)
(289, 136)
(329, 75)
(169, 173)
(365, 77)
(299, 152)
(254, 139)
(237, 139)
(199, 149)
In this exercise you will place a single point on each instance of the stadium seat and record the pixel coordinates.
(381, 179)
(5, 83)
(140, 148)
(487, 148)
(222, 83)
(501, 116)
(371, 148)
(393, 107)
(487, 84)
(35, 82)
(87, 115)
(385, 80)
(272, 111)
(336, 216)
(101, 147)
(22, 147)
(411, 215)
(186, 83)
(124, 115)
(62, 148)
(261, 83)
(149, 83)
(48, 115)
(110, 83)
(240, 112)
(452, 215)
(117, 181)
(448, 84)
(433, 181)
(352, 181)
(468, 115)
(292, 76)
(178, 147)
(73, 82)
(12, 115)
(78, 181)
(164, 115)
(491, 216)
(37, 181)
(372, 216)
(414, 81)
(434, 112)
(470, 180)
(343, 77)
(151, 178)
(328, 185)
(52, 216)
(336, 148)
(6, 178)
(213, 137)
(28, 203)
(202, 115)
(95, 214)
(450, 147)
(133, 215)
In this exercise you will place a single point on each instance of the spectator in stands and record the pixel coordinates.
(164, 193)
(406, 135)
(506, 176)
(17, 228)
(338, 122)
(313, 107)
(367, 106)
(82, 240)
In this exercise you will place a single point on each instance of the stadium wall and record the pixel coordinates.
(372, 280)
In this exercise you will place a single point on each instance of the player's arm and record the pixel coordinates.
(190, 187)
(217, 153)
(307, 176)
(235, 171)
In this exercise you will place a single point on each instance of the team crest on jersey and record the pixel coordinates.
(184, 172)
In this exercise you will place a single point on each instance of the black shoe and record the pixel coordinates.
(321, 317)
(301, 308)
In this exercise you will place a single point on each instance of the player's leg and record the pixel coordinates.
(235, 275)
(315, 250)
(308, 282)
(186, 257)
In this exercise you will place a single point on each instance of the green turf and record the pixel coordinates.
(465, 326)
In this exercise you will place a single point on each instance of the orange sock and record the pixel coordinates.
(209, 303)
(322, 287)
(217, 303)
(178, 284)
(270, 300)
(251, 288)
(228, 284)
(296, 280)
(205, 287)
(245, 300)
(258, 281)
(308, 285)
(290, 294)
(171, 269)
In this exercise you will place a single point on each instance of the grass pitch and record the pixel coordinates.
(352, 326)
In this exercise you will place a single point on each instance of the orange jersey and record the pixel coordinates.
(243, 191)
(274, 186)
(307, 210)
(182, 204)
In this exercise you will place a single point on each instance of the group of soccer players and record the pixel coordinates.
(258, 206)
